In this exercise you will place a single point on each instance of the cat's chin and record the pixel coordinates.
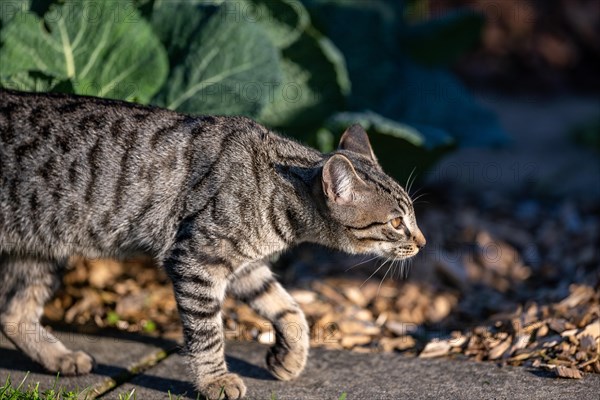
(399, 256)
(394, 258)
(392, 255)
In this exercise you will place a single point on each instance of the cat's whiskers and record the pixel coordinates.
(409, 184)
(361, 263)
(383, 279)
(419, 196)
(378, 268)
(395, 265)
(409, 264)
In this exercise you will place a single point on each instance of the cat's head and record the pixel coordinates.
(373, 212)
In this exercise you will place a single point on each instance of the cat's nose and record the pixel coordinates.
(419, 239)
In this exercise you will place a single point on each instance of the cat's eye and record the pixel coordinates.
(396, 223)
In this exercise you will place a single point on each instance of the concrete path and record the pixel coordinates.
(153, 368)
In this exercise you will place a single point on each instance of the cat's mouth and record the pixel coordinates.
(396, 252)
(390, 250)
(404, 254)
(409, 249)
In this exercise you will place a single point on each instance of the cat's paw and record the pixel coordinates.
(285, 363)
(73, 363)
(229, 386)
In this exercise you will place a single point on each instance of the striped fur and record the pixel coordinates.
(208, 197)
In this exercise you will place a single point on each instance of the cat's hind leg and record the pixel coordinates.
(256, 286)
(26, 284)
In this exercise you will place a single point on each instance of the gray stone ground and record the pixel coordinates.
(328, 374)
(542, 157)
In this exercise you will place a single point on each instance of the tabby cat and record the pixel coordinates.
(209, 198)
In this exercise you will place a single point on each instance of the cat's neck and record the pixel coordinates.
(301, 205)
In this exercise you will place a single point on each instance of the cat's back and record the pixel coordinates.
(25, 115)
(93, 168)
(71, 143)
(62, 122)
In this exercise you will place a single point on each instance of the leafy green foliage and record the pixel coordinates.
(177, 23)
(388, 79)
(309, 68)
(313, 86)
(284, 20)
(364, 32)
(10, 9)
(103, 49)
(225, 68)
(34, 81)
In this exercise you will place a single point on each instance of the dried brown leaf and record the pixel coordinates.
(89, 302)
(587, 343)
(581, 356)
(499, 350)
(381, 319)
(523, 356)
(303, 296)
(400, 328)
(329, 292)
(349, 341)
(570, 332)
(542, 331)
(355, 296)
(103, 272)
(579, 294)
(131, 306)
(593, 330)
(358, 327)
(559, 325)
(440, 308)
(360, 314)
(436, 348)
(398, 343)
(566, 372)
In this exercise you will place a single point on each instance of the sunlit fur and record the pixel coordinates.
(209, 198)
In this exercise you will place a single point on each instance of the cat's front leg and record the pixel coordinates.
(200, 283)
(256, 286)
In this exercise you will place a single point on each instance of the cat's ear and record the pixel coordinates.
(355, 139)
(340, 181)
